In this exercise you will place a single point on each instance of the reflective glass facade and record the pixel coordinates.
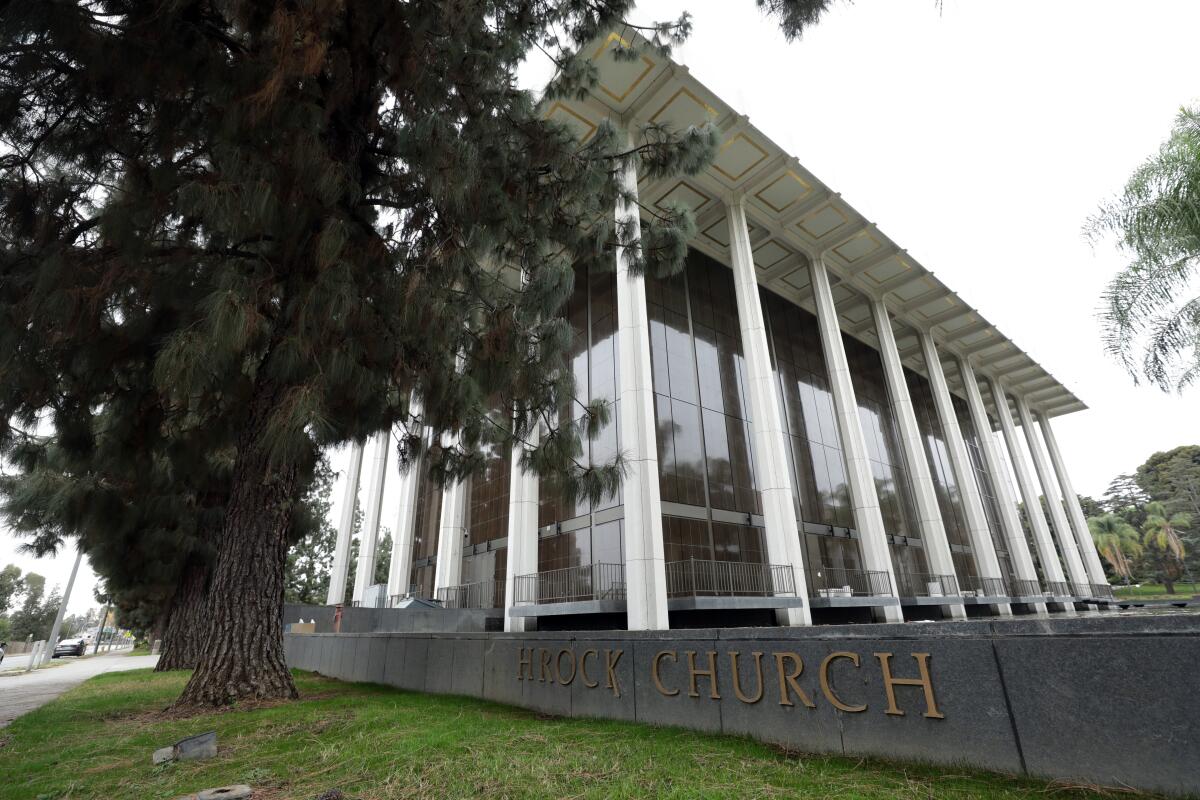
(426, 529)
(485, 548)
(706, 475)
(987, 489)
(575, 534)
(712, 509)
(945, 485)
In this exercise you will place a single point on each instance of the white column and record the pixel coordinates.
(982, 546)
(1062, 528)
(863, 498)
(452, 530)
(341, 551)
(369, 540)
(645, 568)
(66, 598)
(522, 529)
(402, 539)
(1047, 555)
(929, 514)
(1087, 546)
(784, 545)
(1010, 520)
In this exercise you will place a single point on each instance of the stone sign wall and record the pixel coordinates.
(1112, 701)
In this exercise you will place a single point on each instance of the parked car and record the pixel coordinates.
(71, 647)
(3, 647)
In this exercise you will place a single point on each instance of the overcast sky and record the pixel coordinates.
(979, 138)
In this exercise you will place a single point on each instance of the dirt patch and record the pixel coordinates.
(172, 713)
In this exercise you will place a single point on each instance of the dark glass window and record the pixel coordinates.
(599, 544)
(984, 482)
(487, 518)
(831, 552)
(702, 411)
(591, 312)
(938, 455)
(879, 429)
(818, 468)
(426, 529)
(487, 507)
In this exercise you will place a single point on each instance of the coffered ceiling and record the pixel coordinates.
(793, 214)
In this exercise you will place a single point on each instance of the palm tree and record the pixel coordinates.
(1147, 313)
(1117, 541)
(1161, 537)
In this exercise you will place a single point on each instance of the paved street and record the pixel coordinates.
(11, 663)
(22, 693)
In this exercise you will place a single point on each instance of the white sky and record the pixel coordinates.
(979, 138)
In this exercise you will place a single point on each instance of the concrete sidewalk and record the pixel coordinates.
(23, 692)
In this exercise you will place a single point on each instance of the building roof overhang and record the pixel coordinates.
(794, 216)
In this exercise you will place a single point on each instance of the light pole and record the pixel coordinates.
(100, 630)
(62, 608)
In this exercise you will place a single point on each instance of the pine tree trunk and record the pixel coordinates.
(183, 639)
(242, 654)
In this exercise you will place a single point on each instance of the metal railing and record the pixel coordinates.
(1057, 589)
(705, 578)
(481, 594)
(975, 586)
(1081, 589)
(414, 590)
(1025, 588)
(1103, 591)
(926, 584)
(836, 582)
(572, 584)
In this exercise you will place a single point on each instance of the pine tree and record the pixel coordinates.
(142, 535)
(36, 613)
(294, 218)
(10, 586)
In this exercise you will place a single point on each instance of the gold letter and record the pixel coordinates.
(544, 661)
(583, 669)
(787, 679)
(737, 678)
(610, 666)
(710, 673)
(931, 709)
(558, 666)
(524, 660)
(658, 678)
(828, 690)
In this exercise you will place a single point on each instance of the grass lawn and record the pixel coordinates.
(1156, 591)
(377, 742)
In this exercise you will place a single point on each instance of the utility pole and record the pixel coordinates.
(100, 630)
(62, 608)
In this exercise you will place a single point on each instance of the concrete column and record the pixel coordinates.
(1010, 520)
(66, 598)
(929, 514)
(402, 539)
(522, 530)
(369, 541)
(645, 567)
(451, 532)
(1062, 528)
(982, 545)
(341, 552)
(1047, 555)
(865, 501)
(771, 471)
(1087, 545)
